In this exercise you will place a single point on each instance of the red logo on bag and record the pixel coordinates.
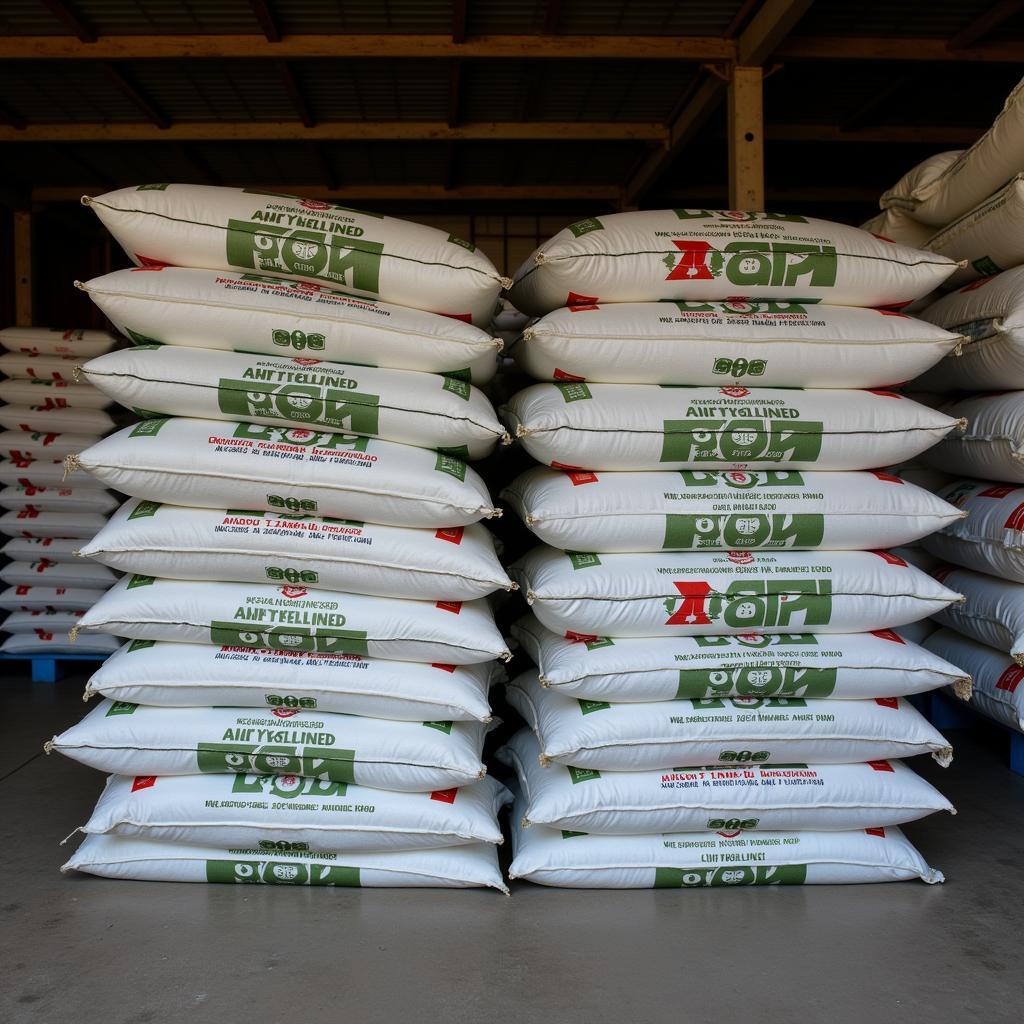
(883, 393)
(734, 392)
(741, 557)
(1010, 679)
(444, 668)
(453, 534)
(572, 469)
(143, 782)
(892, 703)
(301, 361)
(148, 263)
(314, 204)
(731, 835)
(940, 574)
(881, 766)
(997, 491)
(1016, 519)
(562, 375)
(450, 606)
(887, 477)
(285, 712)
(293, 592)
(888, 556)
(581, 301)
(693, 609)
(578, 477)
(445, 796)
(693, 264)
(888, 634)
(580, 638)
(880, 832)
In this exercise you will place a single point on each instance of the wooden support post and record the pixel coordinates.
(22, 268)
(746, 139)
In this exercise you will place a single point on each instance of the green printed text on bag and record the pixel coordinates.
(289, 638)
(734, 874)
(749, 530)
(756, 681)
(336, 409)
(271, 872)
(741, 440)
(325, 763)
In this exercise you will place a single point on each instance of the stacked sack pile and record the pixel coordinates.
(47, 415)
(303, 695)
(969, 205)
(719, 693)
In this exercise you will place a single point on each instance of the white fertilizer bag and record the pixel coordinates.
(52, 394)
(993, 612)
(992, 444)
(52, 341)
(31, 523)
(27, 598)
(988, 238)
(308, 240)
(990, 312)
(767, 344)
(952, 183)
(45, 573)
(640, 426)
(896, 225)
(413, 757)
(20, 446)
(43, 643)
(164, 674)
(52, 621)
(293, 617)
(44, 473)
(420, 409)
(62, 420)
(761, 797)
(57, 499)
(34, 549)
(700, 593)
(206, 464)
(991, 538)
(457, 867)
(847, 666)
(721, 730)
(183, 306)
(998, 692)
(729, 857)
(295, 813)
(38, 367)
(175, 542)
(722, 255)
(696, 510)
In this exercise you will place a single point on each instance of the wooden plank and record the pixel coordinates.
(338, 131)
(896, 48)
(938, 135)
(22, 268)
(525, 47)
(745, 134)
(774, 21)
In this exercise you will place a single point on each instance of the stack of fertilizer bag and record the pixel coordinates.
(303, 695)
(46, 416)
(719, 696)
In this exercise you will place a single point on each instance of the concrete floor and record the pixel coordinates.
(87, 950)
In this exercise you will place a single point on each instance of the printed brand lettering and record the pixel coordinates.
(756, 681)
(738, 874)
(298, 340)
(314, 639)
(747, 530)
(330, 407)
(741, 440)
(748, 264)
(269, 872)
(752, 603)
(327, 764)
(287, 786)
(742, 480)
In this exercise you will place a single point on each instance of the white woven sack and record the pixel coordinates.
(58, 499)
(637, 427)
(700, 510)
(31, 523)
(26, 598)
(897, 225)
(295, 813)
(457, 867)
(993, 612)
(42, 643)
(206, 464)
(38, 367)
(49, 620)
(44, 573)
(778, 798)
(164, 674)
(998, 690)
(20, 446)
(701, 593)
(990, 313)
(259, 615)
(991, 538)
(34, 549)
(43, 473)
(945, 192)
(721, 730)
(64, 420)
(175, 542)
(699, 255)
(904, 195)
(848, 666)
(419, 409)
(693, 860)
(413, 757)
(52, 394)
(992, 444)
(766, 344)
(184, 306)
(81, 344)
(988, 237)
(304, 240)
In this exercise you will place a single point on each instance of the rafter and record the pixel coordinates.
(267, 22)
(985, 23)
(552, 16)
(145, 105)
(295, 94)
(460, 14)
(82, 30)
(774, 20)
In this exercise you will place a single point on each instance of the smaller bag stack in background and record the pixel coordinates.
(48, 414)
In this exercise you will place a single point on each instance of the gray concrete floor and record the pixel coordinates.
(87, 950)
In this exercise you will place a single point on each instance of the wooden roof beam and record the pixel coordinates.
(896, 48)
(552, 16)
(146, 106)
(267, 22)
(774, 21)
(460, 15)
(985, 24)
(81, 29)
(295, 94)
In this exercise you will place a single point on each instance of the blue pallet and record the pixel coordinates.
(47, 668)
(945, 712)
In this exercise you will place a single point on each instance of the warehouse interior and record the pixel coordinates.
(500, 122)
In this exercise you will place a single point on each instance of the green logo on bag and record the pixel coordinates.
(450, 465)
(288, 701)
(741, 440)
(747, 530)
(585, 226)
(736, 874)
(323, 763)
(150, 188)
(298, 340)
(739, 367)
(456, 387)
(731, 824)
(305, 506)
(574, 391)
(751, 604)
(149, 428)
(145, 509)
(455, 240)
(739, 479)
(270, 872)
(121, 707)
(279, 575)
(140, 581)
(566, 834)
(140, 645)
(756, 681)
(310, 640)
(986, 266)
(578, 775)
(588, 707)
(140, 339)
(287, 786)
(333, 408)
(582, 560)
(445, 727)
